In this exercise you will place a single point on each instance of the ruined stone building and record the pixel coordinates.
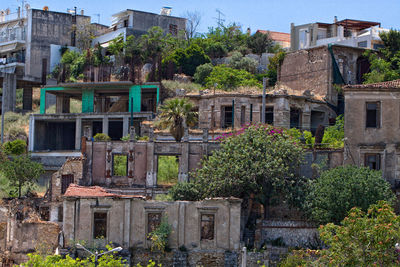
(372, 127)
(25, 40)
(136, 22)
(92, 214)
(284, 108)
(322, 70)
(347, 32)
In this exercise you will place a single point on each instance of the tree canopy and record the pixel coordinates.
(258, 159)
(337, 190)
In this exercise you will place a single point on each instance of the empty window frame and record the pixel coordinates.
(120, 165)
(207, 226)
(60, 214)
(153, 221)
(373, 161)
(100, 225)
(269, 115)
(167, 170)
(295, 118)
(227, 120)
(372, 115)
(66, 180)
(173, 29)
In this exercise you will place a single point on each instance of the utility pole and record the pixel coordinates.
(220, 20)
(265, 81)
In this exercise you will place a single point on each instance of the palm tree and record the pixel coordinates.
(174, 113)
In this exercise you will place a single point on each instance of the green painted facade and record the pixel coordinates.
(135, 93)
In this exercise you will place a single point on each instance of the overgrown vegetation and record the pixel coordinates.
(385, 64)
(107, 260)
(101, 137)
(334, 135)
(362, 239)
(159, 237)
(168, 169)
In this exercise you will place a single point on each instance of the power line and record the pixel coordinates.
(220, 21)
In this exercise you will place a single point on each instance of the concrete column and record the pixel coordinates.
(181, 224)
(306, 120)
(27, 98)
(9, 90)
(31, 140)
(151, 173)
(184, 163)
(125, 126)
(78, 133)
(54, 213)
(282, 113)
(105, 125)
(127, 223)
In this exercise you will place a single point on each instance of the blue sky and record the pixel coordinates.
(275, 15)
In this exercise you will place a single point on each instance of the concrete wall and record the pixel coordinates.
(130, 230)
(143, 21)
(383, 140)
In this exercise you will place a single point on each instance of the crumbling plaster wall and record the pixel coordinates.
(383, 140)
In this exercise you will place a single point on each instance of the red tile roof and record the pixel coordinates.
(92, 191)
(387, 85)
(277, 36)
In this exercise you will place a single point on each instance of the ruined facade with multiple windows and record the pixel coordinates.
(372, 125)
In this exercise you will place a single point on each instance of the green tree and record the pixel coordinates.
(337, 190)
(385, 65)
(173, 113)
(228, 78)
(20, 171)
(363, 239)
(153, 44)
(259, 43)
(334, 135)
(189, 59)
(260, 160)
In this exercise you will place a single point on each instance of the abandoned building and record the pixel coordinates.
(208, 224)
(322, 70)
(372, 127)
(284, 108)
(25, 39)
(135, 22)
(347, 32)
(106, 108)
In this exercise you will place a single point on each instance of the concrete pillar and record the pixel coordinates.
(125, 126)
(31, 139)
(9, 90)
(151, 173)
(27, 98)
(183, 174)
(78, 133)
(282, 113)
(127, 223)
(105, 125)
(54, 213)
(181, 223)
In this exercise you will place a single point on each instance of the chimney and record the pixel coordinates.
(248, 31)
(82, 12)
(335, 19)
(19, 12)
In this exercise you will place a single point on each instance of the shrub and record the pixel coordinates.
(14, 133)
(238, 61)
(101, 137)
(159, 237)
(185, 191)
(228, 78)
(16, 147)
(202, 72)
(334, 135)
(338, 190)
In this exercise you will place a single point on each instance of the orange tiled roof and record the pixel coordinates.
(277, 36)
(92, 191)
(389, 84)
